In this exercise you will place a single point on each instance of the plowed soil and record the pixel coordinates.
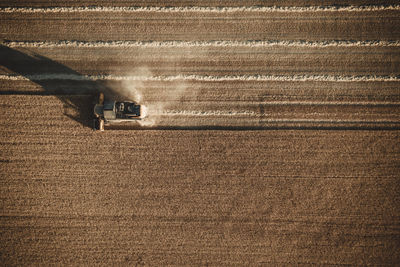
(272, 135)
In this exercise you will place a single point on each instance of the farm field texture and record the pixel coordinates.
(271, 137)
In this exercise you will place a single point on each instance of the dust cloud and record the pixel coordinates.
(154, 100)
(159, 97)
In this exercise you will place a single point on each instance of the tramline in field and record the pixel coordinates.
(109, 112)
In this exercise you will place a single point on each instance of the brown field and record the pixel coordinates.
(278, 146)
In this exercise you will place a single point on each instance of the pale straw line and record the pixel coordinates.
(215, 43)
(206, 78)
(201, 9)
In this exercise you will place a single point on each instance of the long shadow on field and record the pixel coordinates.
(27, 64)
(80, 108)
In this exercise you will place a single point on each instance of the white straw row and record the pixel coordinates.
(215, 43)
(201, 9)
(207, 78)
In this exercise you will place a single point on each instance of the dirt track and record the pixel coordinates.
(262, 153)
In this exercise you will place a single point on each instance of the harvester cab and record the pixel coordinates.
(109, 112)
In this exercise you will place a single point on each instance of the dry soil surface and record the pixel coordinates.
(272, 135)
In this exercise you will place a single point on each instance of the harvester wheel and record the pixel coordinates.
(101, 124)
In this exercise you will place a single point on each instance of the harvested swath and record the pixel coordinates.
(203, 26)
(244, 198)
(234, 115)
(228, 91)
(283, 59)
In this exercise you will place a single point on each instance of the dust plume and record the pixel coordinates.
(155, 100)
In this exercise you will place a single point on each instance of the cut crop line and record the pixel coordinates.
(215, 43)
(335, 121)
(307, 103)
(280, 103)
(200, 9)
(202, 113)
(219, 113)
(205, 78)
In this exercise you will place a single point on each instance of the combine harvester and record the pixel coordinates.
(109, 112)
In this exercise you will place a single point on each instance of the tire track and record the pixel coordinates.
(240, 115)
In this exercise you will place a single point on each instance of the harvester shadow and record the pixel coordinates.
(77, 95)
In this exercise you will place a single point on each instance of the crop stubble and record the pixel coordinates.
(159, 197)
